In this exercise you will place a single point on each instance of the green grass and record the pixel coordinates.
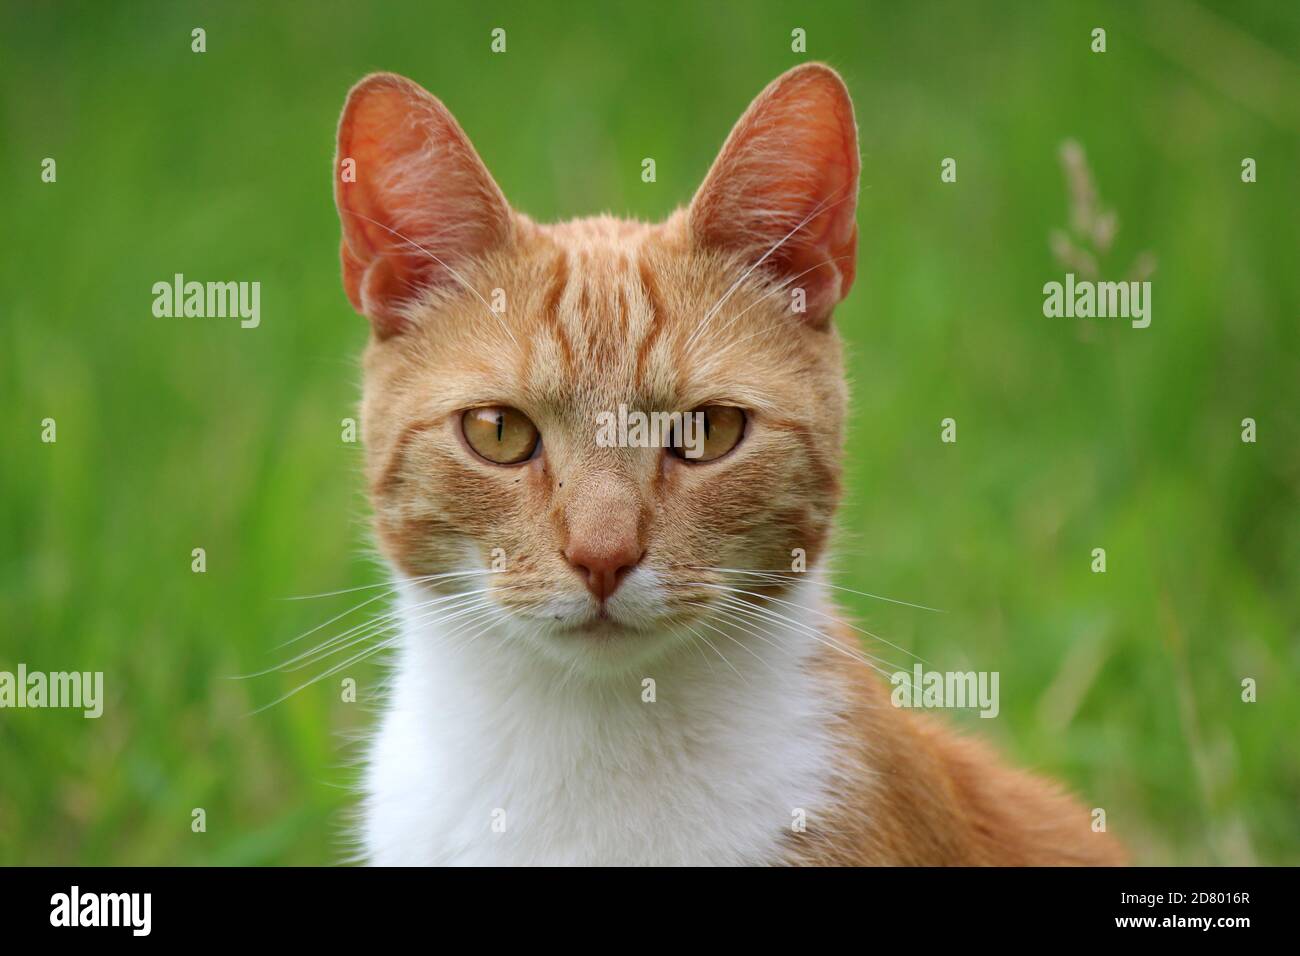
(176, 434)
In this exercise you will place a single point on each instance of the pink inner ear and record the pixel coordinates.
(421, 203)
(786, 185)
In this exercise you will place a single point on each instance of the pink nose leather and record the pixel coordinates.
(604, 564)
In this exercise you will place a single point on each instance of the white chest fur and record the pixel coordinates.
(490, 755)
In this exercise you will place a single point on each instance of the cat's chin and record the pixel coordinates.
(599, 628)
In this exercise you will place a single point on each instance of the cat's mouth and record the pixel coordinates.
(599, 625)
(601, 622)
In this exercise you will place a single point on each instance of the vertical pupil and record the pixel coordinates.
(706, 425)
(501, 424)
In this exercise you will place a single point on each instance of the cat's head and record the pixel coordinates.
(508, 361)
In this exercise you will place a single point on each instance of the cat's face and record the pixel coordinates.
(504, 353)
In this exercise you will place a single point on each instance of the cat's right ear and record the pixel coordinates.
(414, 198)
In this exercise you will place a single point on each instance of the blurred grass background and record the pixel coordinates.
(185, 433)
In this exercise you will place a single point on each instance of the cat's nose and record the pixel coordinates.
(604, 564)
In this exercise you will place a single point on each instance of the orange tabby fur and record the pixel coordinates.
(915, 792)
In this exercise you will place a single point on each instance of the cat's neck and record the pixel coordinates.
(639, 766)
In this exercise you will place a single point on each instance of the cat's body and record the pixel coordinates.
(607, 655)
(792, 754)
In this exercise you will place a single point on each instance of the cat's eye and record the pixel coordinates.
(720, 429)
(500, 434)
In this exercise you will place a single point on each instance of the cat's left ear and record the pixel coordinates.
(784, 189)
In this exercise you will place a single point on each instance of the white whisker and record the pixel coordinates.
(368, 652)
(718, 652)
(364, 626)
(767, 295)
(810, 610)
(743, 647)
(791, 576)
(454, 274)
(817, 211)
(389, 585)
(767, 614)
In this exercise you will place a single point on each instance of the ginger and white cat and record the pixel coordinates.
(601, 660)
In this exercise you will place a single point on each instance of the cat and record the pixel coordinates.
(601, 658)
